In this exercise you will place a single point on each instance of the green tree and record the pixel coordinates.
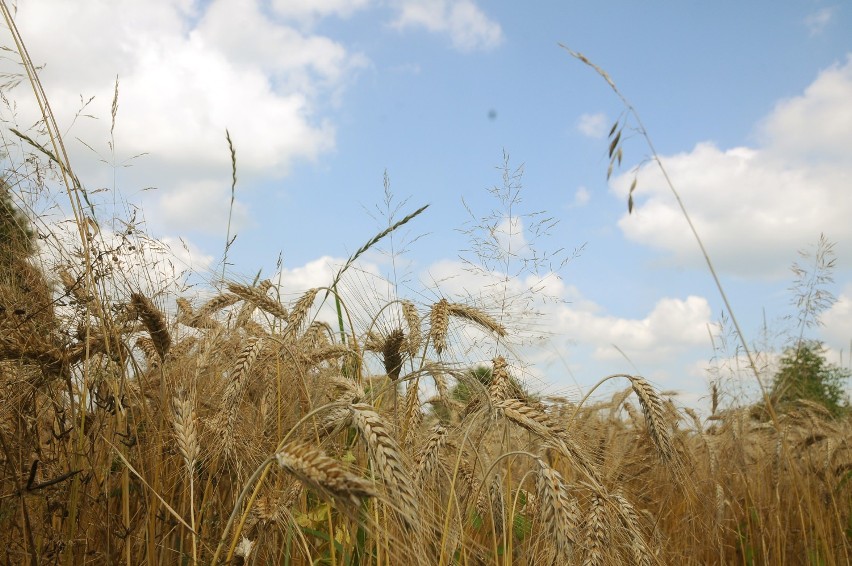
(24, 293)
(804, 373)
(17, 238)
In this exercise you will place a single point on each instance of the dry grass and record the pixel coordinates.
(584, 498)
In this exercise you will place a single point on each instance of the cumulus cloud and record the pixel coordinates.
(815, 127)
(311, 9)
(753, 207)
(672, 325)
(593, 125)
(186, 72)
(468, 27)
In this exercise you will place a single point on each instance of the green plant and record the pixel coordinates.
(17, 237)
(804, 373)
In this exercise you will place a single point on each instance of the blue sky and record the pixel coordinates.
(748, 104)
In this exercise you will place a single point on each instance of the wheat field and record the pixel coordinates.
(143, 425)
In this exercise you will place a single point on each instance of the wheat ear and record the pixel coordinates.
(557, 511)
(313, 468)
(500, 388)
(412, 319)
(300, 310)
(652, 407)
(154, 322)
(392, 353)
(439, 321)
(387, 460)
(258, 298)
(477, 317)
(595, 529)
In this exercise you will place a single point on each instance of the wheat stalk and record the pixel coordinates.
(387, 460)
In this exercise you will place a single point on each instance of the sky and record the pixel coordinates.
(334, 106)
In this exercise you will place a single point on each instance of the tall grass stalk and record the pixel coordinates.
(615, 153)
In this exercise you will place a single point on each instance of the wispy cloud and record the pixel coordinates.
(582, 196)
(593, 125)
(468, 27)
(816, 22)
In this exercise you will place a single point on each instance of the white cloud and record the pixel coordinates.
(307, 10)
(753, 207)
(582, 196)
(468, 27)
(188, 254)
(673, 325)
(203, 204)
(187, 71)
(593, 125)
(837, 322)
(362, 289)
(816, 126)
(816, 22)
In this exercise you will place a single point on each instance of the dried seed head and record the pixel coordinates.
(183, 418)
(557, 511)
(427, 461)
(501, 386)
(300, 310)
(439, 322)
(477, 317)
(392, 353)
(154, 322)
(259, 298)
(202, 318)
(653, 408)
(326, 475)
(387, 461)
(412, 318)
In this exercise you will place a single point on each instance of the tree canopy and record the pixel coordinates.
(804, 373)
